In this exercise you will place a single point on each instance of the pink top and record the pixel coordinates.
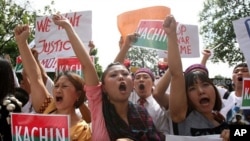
(94, 96)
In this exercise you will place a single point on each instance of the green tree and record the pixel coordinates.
(141, 57)
(217, 28)
(93, 52)
(19, 12)
(16, 12)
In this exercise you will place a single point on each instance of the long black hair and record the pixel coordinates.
(7, 82)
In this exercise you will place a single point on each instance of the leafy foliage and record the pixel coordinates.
(93, 52)
(22, 12)
(16, 12)
(217, 28)
(141, 57)
(13, 14)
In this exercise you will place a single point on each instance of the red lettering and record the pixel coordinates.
(181, 29)
(54, 46)
(48, 63)
(184, 40)
(43, 25)
(74, 20)
(185, 49)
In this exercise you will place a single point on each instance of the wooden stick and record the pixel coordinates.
(212, 48)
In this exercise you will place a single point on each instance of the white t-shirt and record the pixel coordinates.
(227, 103)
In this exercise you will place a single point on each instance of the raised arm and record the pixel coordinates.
(206, 54)
(43, 72)
(90, 75)
(178, 101)
(39, 92)
(124, 47)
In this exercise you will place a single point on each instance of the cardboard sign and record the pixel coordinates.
(242, 31)
(127, 22)
(52, 42)
(36, 127)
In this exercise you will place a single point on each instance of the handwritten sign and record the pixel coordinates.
(153, 36)
(35, 127)
(52, 41)
(242, 31)
(246, 94)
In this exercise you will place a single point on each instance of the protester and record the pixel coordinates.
(173, 75)
(240, 72)
(143, 86)
(68, 91)
(227, 98)
(25, 82)
(8, 102)
(113, 116)
(198, 99)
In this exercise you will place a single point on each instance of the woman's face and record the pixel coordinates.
(202, 96)
(118, 83)
(64, 93)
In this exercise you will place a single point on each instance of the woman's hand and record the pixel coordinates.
(225, 135)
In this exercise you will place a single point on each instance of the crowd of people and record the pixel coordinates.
(122, 106)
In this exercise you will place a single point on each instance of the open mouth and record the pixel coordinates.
(240, 78)
(58, 98)
(141, 87)
(122, 87)
(204, 101)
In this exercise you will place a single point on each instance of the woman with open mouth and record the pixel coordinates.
(194, 102)
(112, 115)
(68, 93)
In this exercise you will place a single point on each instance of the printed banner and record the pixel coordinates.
(71, 64)
(127, 22)
(242, 31)
(36, 127)
(153, 36)
(52, 41)
(246, 94)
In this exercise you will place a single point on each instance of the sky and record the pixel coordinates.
(104, 24)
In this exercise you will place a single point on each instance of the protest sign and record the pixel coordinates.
(36, 127)
(153, 36)
(52, 42)
(246, 94)
(242, 31)
(127, 22)
(70, 64)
